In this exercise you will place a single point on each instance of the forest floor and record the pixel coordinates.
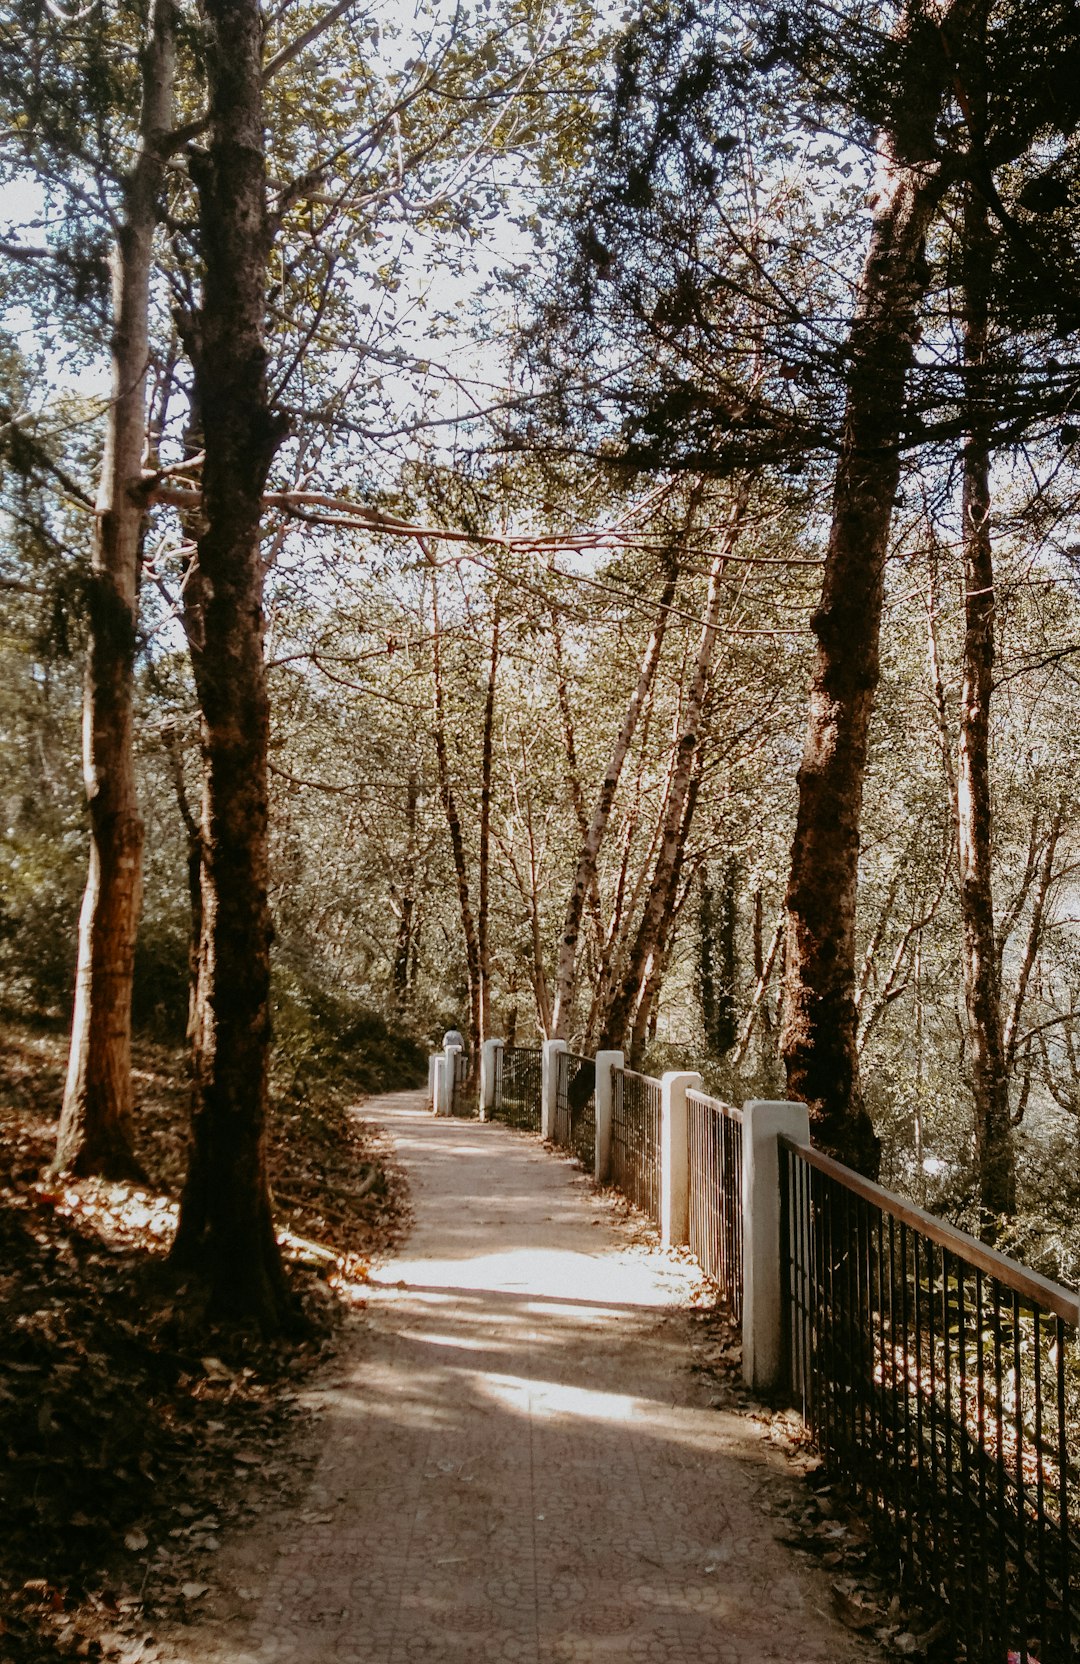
(131, 1435)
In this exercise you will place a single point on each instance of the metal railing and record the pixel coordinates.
(715, 1185)
(518, 1086)
(635, 1139)
(575, 1106)
(932, 1371)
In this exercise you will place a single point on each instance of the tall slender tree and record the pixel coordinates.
(95, 1126)
(226, 1224)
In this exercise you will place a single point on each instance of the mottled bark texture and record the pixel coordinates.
(986, 1060)
(819, 1038)
(226, 1227)
(95, 1134)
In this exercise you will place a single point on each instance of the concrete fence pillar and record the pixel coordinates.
(550, 1085)
(490, 1053)
(444, 1095)
(763, 1340)
(432, 1069)
(606, 1065)
(675, 1155)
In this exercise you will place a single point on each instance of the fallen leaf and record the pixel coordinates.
(194, 1591)
(136, 1541)
(852, 1610)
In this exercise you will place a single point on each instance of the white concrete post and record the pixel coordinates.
(675, 1155)
(432, 1073)
(606, 1064)
(489, 1074)
(445, 1096)
(763, 1341)
(439, 1099)
(549, 1086)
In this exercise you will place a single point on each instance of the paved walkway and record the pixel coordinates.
(517, 1464)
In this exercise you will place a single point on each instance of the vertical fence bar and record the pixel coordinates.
(934, 1397)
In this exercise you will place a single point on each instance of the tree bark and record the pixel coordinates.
(483, 921)
(987, 1069)
(453, 826)
(193, 831)
(226, 1226)
(406, 898)
(585, 874)
(819, 1033)
(644, 1017)
(95, 1133)
(624, 1002)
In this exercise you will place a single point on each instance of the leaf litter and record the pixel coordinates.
(130, 1432)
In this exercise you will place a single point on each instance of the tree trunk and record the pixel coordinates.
(193, 832)
(758, 1012)
(483, 944)
(453, 826)
(585, 875)
(974, 815)
(620, 1013)
(718, 966)
(95, 1134)
(818, 1041)
(226, 1226)
(646, 1014)
(406, 931)
(573, 771)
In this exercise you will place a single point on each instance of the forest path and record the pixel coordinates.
(516, 1461)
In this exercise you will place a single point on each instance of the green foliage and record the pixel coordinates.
(323, 1038)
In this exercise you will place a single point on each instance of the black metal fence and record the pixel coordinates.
(933, 1373)
(635, 1139)
(575, 1106)
(715, 1185)
(518, 1086)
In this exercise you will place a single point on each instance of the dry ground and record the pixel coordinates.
(130, 1433)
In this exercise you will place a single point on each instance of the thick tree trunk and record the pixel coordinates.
(676, 828)
(819, 1039)
(226, 1226)
(585, 874)
(974, 815)
(95, 1124)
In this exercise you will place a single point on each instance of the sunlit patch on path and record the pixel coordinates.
(516, 1463)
